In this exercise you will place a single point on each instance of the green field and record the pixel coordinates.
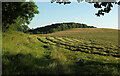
(90, 51)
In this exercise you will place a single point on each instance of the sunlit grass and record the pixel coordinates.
(77, 52)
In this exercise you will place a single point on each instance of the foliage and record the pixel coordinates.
(23, 28)
(107, 7)
(23, 12)
(104, 7)
(58, 27)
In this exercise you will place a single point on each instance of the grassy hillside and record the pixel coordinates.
(77, 51)
(98, 35)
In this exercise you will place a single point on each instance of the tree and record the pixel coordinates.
(14, 12)
(105, 7)
(23, 28)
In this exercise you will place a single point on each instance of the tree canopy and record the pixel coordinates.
(17, 12)
(104, 7)
(58, 27)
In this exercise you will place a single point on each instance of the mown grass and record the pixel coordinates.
(82, 46)
(104, 37)
(58, 53)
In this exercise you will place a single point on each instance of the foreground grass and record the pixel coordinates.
(26, 54)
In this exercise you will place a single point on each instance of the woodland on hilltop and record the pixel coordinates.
(58, 27)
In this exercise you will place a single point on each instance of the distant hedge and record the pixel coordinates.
(58, 27)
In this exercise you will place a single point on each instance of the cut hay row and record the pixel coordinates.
(62, 40)
(96, 49)
(44, 40)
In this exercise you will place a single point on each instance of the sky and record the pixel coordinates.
(75, 12)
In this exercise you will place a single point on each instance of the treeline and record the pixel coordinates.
(58, 27)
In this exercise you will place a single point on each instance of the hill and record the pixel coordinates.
(90, 51)
(58, 27)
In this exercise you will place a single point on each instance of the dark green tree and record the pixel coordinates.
(57, 27)
(23, 28)
(17, 12)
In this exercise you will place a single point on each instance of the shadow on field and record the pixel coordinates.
(95, 67)
(28, 64)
